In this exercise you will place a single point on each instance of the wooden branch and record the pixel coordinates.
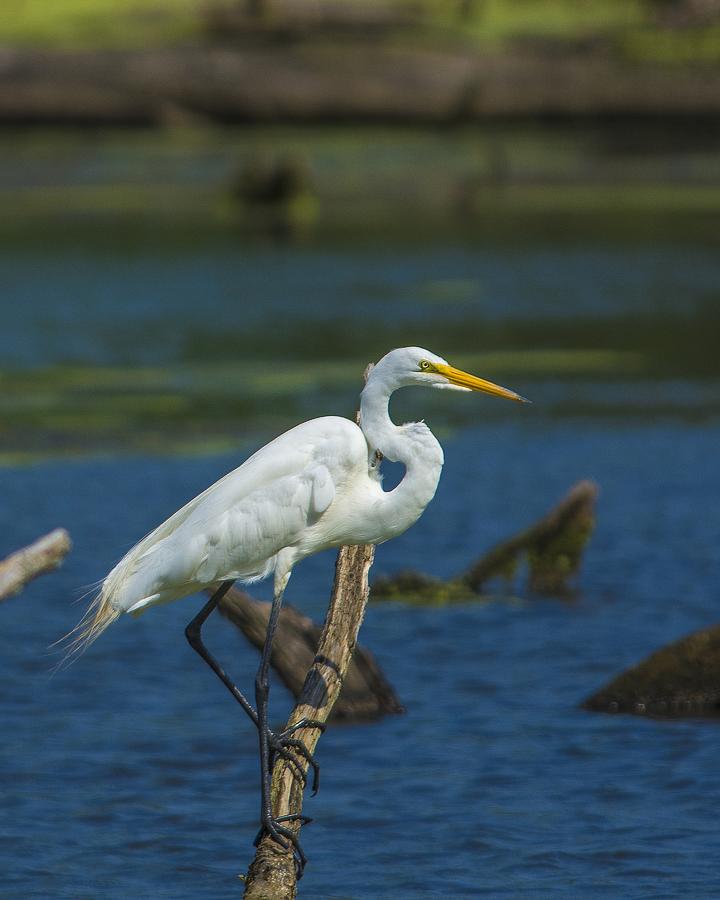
(366, 693)
(44, 555)
(553, 547)
(271, 875)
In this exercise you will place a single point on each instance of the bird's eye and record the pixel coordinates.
(424, 365)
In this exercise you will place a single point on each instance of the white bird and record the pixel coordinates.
(314, 487)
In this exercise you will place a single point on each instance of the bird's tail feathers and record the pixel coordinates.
(99, 616)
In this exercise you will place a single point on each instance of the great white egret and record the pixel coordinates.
(314, 487)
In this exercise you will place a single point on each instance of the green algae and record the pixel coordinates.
(69, 410)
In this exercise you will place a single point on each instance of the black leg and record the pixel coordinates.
(279, 833)
(262, 691)
(282, 744)
(192, 633)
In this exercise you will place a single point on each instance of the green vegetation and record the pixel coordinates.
(129, 193)
(203, 407)
(630, 28)
(98, 23)
(505, 20)
(679, 47)
(206, 406)
(479, 182)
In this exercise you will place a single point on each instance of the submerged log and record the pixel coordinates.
(680, 679)
(553, 545)
(553, 548)
(366, 693)
(44, 555)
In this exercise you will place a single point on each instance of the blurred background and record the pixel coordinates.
(213, 214)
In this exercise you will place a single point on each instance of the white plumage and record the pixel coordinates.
(313, 487)
(236, 528)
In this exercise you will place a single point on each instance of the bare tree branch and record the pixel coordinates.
(44, 555)
(271, 875)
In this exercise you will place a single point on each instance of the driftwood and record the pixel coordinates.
(553, 548)
(366, 693)
(272, 875)
(680, 679)
(44, 555)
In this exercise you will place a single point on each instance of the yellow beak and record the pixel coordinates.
(463, 379)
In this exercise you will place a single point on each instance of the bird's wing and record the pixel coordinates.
(242, 541)
(235, 527)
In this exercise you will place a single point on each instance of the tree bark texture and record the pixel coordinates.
(44, 555)
(271, 875)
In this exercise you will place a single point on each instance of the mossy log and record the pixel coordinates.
(680, 679)
(366, 693)
(553, 548)
(43, 555)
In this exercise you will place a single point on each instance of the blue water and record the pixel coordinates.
(150, 305)
(132, 774)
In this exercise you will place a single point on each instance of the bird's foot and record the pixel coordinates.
(285, 837)
(290, 748)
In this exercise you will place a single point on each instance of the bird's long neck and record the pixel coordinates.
(413, 445)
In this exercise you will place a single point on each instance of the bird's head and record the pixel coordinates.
(414, 366)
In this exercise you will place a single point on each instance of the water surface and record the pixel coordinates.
(131, 773)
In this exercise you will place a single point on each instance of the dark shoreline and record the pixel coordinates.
(351, 82)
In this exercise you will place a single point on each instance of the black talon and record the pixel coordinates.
(295, 817)
(299, 747)
(291, 760)
(275, 830)
(281, 742)
(303, 723)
